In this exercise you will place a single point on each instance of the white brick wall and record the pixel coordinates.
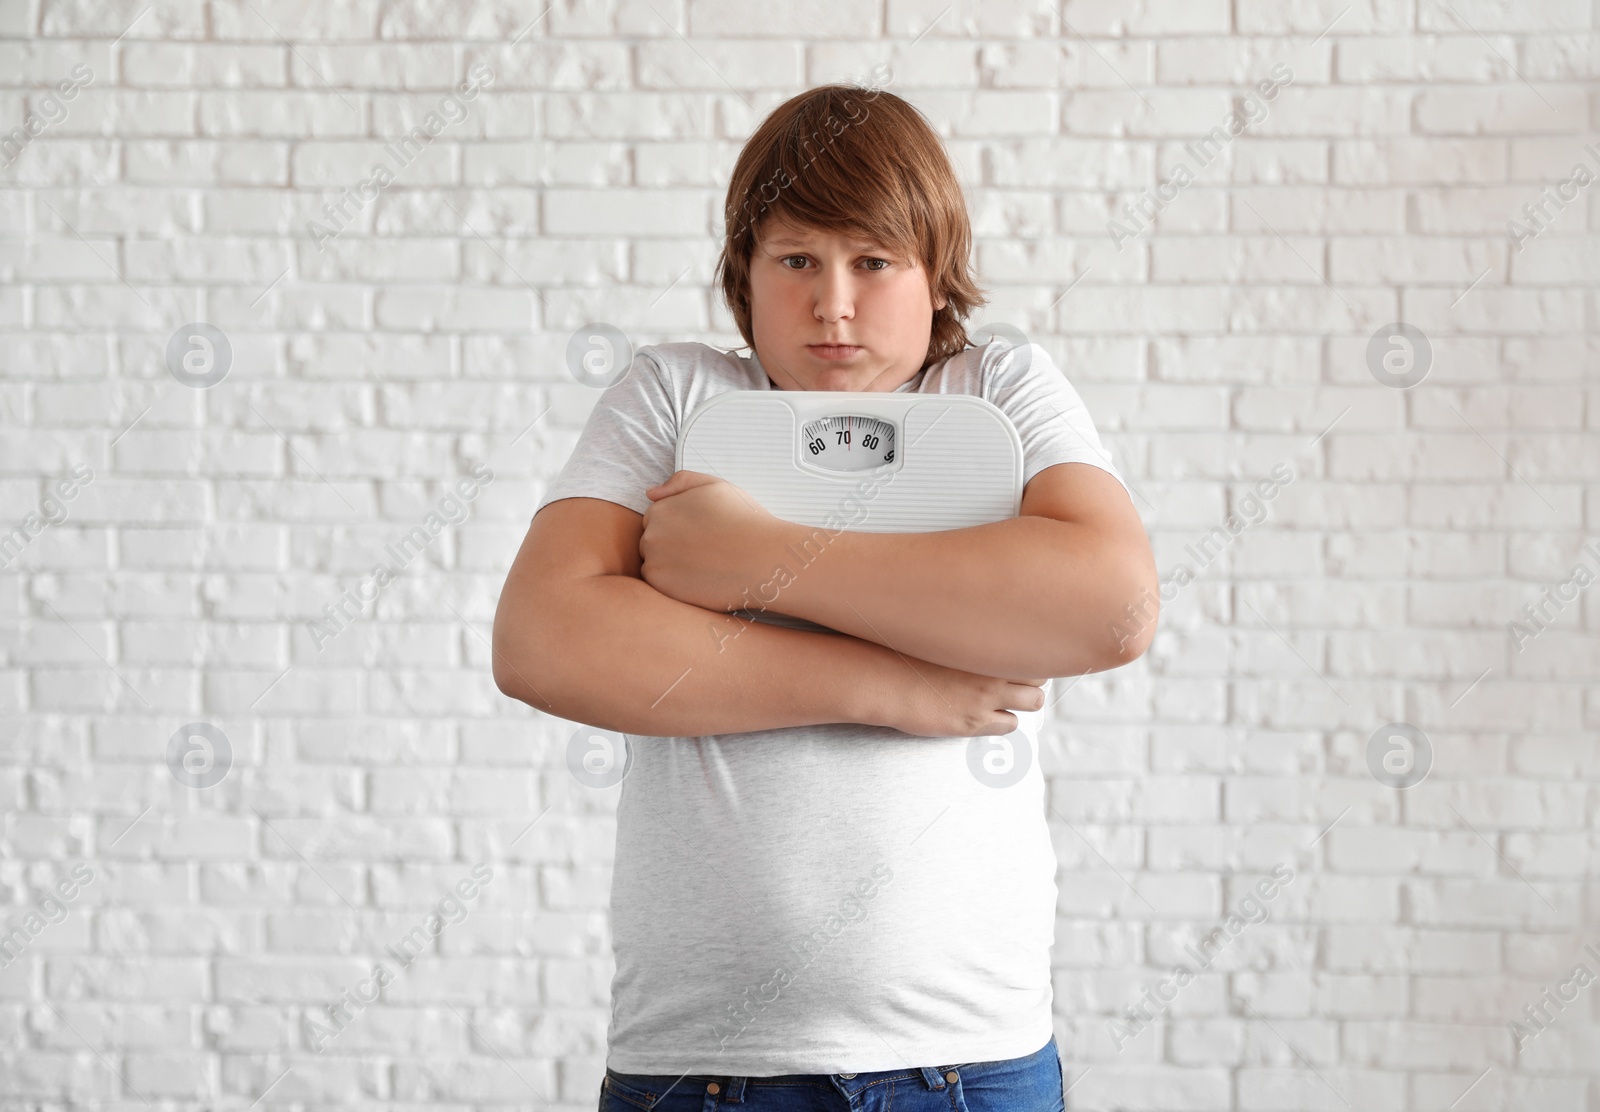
(369, 776)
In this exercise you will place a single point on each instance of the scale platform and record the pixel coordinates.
(863, 461)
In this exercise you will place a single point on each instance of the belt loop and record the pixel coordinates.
(735, 1094)
(932, 1077)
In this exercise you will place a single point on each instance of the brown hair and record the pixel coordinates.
(857, 161)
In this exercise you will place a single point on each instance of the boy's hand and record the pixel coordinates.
(930, 700)
(708, 543)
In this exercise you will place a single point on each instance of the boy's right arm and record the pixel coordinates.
(579, 635)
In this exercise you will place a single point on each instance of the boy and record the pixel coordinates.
(815, 898)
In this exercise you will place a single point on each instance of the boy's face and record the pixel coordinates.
(810, 288)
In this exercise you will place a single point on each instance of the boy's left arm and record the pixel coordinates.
(1068, 587)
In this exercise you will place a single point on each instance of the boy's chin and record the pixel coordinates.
(854, 377)
(834, 380)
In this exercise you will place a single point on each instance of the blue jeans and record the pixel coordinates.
(1028, 1084)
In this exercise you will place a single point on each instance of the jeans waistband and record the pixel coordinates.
(733, 1085)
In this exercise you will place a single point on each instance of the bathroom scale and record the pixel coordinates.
(862, 461)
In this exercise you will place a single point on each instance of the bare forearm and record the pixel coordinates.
(1024, 596)
(614, 652)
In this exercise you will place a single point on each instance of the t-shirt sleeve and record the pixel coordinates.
(628, 444)
(1050, 417)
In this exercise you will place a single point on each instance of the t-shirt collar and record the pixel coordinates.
(905, 387)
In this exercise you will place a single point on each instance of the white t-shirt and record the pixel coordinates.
(829, 898)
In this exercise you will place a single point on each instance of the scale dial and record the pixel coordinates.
(848, 442)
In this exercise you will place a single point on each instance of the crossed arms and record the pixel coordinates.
(623, 623)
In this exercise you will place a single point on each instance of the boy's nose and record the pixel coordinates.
(833, 301)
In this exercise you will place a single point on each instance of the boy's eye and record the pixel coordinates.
(786, 259)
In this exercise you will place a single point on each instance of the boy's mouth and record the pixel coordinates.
(833, 351)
